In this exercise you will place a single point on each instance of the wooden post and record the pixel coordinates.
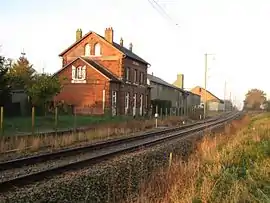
(75, 119)
(33, 120)
(161, 113)
(170, 159)
(1, 119)
(56, 118)
(166, 112)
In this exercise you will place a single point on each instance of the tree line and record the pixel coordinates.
(39, 87)
(255, 99)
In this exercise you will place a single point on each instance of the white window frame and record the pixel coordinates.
(127, 102)
(114, 103)
(97, 49)
(142, 78)
(78, 74)
(127, 74)
(134, 104)
(135, 75)
(87, 50)
(141, 105)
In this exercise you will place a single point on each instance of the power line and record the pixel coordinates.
(161, 11)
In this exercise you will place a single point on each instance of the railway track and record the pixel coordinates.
(23, 171)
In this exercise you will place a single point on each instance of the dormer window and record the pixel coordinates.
(87, 50)
(97, 49)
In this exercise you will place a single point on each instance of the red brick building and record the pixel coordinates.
(104, 76)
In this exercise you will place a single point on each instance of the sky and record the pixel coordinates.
(237, 32)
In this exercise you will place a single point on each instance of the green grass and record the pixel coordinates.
(23, 125)
(225, 168)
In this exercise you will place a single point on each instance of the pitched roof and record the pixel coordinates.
(101, 68)
(162, 82)
(122, 49)
(94, 64)
(210, 94)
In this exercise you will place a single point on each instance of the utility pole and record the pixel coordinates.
(205, 83)
(225, 95)
(231, 100)
(205, 79)
(23, 53)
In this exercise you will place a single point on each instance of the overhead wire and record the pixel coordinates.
(161, 11)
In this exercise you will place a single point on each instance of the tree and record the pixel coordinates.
(4, 82)
(267, 105)
(21, 74)
(43, 88)
(254, 99)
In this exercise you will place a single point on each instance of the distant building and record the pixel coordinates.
(212, 101)
(193, 99)
(164, 91)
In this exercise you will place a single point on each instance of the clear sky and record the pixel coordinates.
(236, 31)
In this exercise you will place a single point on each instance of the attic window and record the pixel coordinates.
(97, 49)
(87, 50)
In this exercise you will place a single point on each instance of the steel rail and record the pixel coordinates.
(122, 148)
(17, 163)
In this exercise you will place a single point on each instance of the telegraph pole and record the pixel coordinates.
(23, 53)
(225, 95)
(205, 83)
(205, 79)
(231, 100)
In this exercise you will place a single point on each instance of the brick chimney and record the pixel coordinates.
(78, 34)
(130, 46)
(121, 42)
(109, 34)
(179, 81)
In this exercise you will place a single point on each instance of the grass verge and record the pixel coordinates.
(101, 132)
(23, 125)
(112, 181)
(234, 167)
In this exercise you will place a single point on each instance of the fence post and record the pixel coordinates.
(170, 160)
(1, 119)
(75, 119)
(33, 120)
(56, 118)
